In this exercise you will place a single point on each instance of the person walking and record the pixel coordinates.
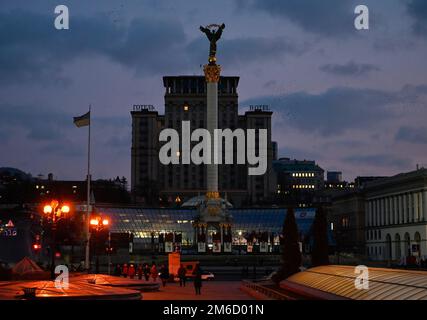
(154, 272)
(198, 280)
(147, 272)
(125, 270)
(131, 271)
(140, 271)
(117, 271)
(182, 275)
(164, 275)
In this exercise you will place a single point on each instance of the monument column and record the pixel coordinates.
(212, 75)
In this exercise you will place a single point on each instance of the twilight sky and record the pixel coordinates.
(354, 101)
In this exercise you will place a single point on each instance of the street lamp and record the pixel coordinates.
(98, 224)
(54, 212)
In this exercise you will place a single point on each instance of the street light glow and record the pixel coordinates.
(54, 204)
(65, 209)
(47, 209)
(105, 222)
(94, 222)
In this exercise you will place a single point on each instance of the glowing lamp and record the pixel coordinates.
(105, 222)
(47, 209)
(65, 209)
(94, 222)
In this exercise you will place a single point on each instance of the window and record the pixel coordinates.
(345, 222)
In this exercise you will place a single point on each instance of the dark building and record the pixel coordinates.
(347, 218)
(334, 176)
(298, 180)
(185, 100)
(19, 188)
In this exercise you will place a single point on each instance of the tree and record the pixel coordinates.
(291, 257)
(319, 255)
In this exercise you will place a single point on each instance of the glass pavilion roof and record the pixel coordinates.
(142, 222)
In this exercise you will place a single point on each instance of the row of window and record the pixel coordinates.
(373, 234)
(303, 174)
(374, 251)
(303, 186)
(396, 210)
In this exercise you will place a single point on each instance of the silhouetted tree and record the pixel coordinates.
(291, 256)
(319, 255)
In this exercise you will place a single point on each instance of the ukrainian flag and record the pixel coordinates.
(83, 120)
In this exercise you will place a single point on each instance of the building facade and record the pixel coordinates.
(396, 216)
(298, 180)
(347, 219)
(185, 100)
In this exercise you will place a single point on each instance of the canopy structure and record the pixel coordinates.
(196, 201)
(338, 282)
(26, 266)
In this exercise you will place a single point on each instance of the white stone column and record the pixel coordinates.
(382, 211)
(387, 214)
(417, 206)
(405, 208)
(397, 210)
(396, 215)
(211, 125)
(424, 201)
(366, 215)
(212, 76)
(377, 214)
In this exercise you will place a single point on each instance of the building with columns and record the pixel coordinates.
(396, 216)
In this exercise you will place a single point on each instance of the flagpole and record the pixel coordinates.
(87, 255)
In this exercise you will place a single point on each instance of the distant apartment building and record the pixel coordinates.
(185, 100)
(298, 180)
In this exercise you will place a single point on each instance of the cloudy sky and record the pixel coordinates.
(354, 101)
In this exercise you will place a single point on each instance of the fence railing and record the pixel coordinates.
(268, 292)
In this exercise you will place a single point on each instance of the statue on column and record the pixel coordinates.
(213, 36)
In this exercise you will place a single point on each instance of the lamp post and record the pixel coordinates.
(54, 212)
(97, 224)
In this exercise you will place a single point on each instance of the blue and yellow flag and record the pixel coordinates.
(83, 120)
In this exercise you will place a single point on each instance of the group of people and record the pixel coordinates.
(413, 261)
(145, 270)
